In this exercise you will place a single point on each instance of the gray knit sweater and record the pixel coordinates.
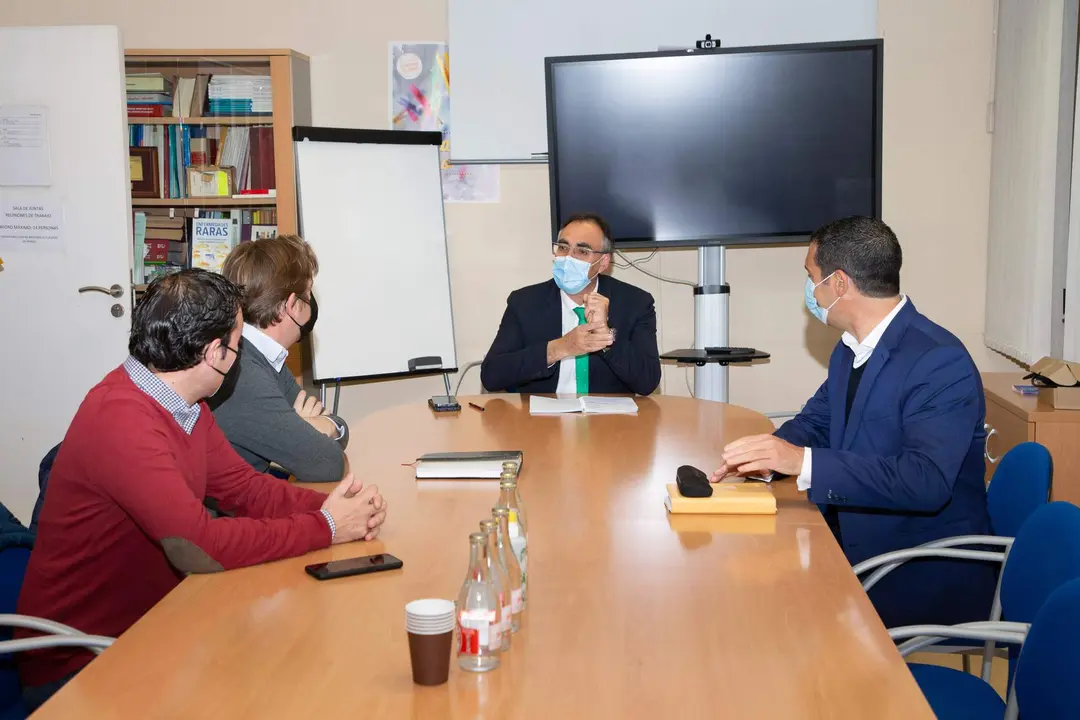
(254, 410)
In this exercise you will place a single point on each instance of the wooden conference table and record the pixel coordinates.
(632, 613)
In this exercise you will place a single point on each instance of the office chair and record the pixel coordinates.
(1020, 485)
(1044, 557)
(1044, 687)
(13, 561)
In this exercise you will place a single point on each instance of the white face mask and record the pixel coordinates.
(571, 274)
(816, 310)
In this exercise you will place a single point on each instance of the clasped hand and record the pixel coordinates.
(358, 511)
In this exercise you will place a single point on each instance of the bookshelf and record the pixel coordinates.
(206, 202)
(209, 109)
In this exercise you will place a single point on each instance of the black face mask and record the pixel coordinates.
(233, 367)
(307, 327)
(228, 378)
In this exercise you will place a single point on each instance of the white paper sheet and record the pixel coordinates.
(24, 145)
(31, 221)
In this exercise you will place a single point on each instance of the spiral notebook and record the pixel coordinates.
(465, 465)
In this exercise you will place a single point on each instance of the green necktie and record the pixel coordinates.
(581, 362)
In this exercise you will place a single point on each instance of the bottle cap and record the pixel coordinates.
(478, 538)
(500, 511)
(488, 525)
(510, 466)
(507, 484)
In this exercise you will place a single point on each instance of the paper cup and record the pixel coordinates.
(430, 624)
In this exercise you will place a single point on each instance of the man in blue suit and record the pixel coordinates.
(580, 332)
(891, 445)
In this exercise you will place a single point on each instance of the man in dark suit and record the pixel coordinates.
(581, 331)
(891, 445)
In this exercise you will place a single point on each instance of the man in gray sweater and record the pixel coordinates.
(260, 407)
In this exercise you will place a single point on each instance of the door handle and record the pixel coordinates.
(114, 290)
(991, 432)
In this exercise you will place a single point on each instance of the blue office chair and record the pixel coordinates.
(1045, 687)
(1044, 558)
(44, 469)
(16, 543)
(13, 562)
(1020, 485)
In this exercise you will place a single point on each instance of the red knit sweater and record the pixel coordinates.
(127, 477)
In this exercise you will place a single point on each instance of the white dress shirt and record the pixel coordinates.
(568, 366)
(275, 354)
(271, 349)
(862, 351)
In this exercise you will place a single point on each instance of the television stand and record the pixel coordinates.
(711, 297)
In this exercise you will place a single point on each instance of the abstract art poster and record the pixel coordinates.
(420, 100)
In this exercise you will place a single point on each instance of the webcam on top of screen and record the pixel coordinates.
(708, 43)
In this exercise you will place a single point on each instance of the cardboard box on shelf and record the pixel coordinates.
(1064, 379)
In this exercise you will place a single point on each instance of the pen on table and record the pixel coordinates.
(477, 407)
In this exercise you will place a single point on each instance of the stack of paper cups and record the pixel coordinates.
(430, 624)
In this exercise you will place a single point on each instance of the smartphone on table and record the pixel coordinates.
(353, 566)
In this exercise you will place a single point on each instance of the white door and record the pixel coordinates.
(55, 341)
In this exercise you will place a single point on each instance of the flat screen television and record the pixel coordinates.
(736, 146)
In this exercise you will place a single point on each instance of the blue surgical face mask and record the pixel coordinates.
(816, 310)
(571, 274)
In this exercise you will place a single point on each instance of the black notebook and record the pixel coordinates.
(465, 465)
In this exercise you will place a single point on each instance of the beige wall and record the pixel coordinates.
(936, 178)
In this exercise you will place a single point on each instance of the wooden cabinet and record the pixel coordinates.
(1012, 418)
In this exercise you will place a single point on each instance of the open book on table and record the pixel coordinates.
(589, 404)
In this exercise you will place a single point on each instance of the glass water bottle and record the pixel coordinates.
(519, 534)
(511, 469)
(500, 579)
(513, 570)
(478, 610)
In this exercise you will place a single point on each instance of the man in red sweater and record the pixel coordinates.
(123, 519)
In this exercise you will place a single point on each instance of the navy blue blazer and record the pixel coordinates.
(906, 468)
(517, 360)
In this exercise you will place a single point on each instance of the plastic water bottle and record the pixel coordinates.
(500, 579)
(480, 640)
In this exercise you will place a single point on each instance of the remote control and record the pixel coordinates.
(730, 351)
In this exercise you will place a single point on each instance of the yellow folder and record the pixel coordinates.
(727, 499)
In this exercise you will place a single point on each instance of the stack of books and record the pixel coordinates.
(165, 247)
(149, 95)
(240, 95)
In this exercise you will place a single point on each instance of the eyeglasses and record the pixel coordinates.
(579, 252)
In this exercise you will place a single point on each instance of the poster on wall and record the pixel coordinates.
(420, 100)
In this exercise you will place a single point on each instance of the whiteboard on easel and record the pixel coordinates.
(371, 208)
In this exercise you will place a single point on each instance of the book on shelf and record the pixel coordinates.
(262, 232)
(240, 95)
(155, 95)
(247, 149)
(147, 83)
(211, 242)
(167, 244)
